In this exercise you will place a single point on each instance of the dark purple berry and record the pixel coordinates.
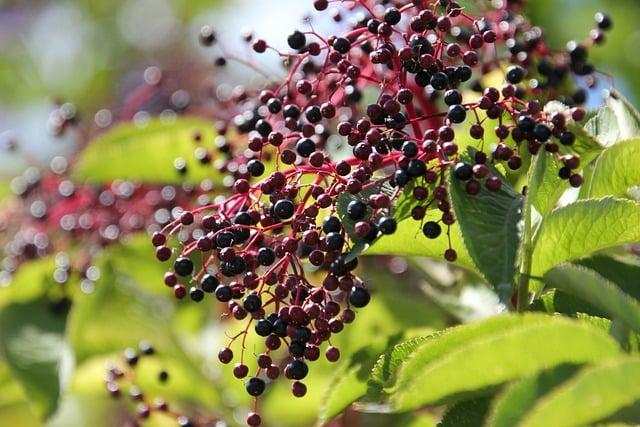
(431, 229)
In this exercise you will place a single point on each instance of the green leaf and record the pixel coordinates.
(415, 355)
(384, 371)
(593, 394)
(581, 228)
(557, 301)
(116, 315)
(584, 146)
(478, 365)
(350, 380)
(603, 127)
(519, 397)
(615, 170)
(628, 118)
(135, 258)
(624, 272)
(545, 187)
(590, 286)
(32, 280)
(409, 240)
(147, 153)
(468, 413)
(489, 220)
(184, 383)
(33, 346)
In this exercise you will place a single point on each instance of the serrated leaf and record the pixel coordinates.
(489, 225)
(481, 364)
(384, 370)
(581, 228)
(545, 187)
(615, 170)
(592, 395)
(603, 127)
(443, 342)
(590, 286)
(409, 240)
(517, 398)
(33, 346)
(147, 153)
(557, 301)
(468, 413)
(623, 272)
(628, 118)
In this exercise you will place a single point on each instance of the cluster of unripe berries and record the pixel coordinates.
(325, 169)
(52, 213)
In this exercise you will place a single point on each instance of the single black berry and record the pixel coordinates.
(209, 283)
(515, 74)
(266, 256)
(401, 178)
(457, 113)
(452, 97)
(263, 327)
(196, 294)
(439, 81)
(263, 127)
(359, 297)
(296, 349)
(356, 209)
(252, 303)
(331, 224)
(463, 171)
(283, 209)
(334, 241)
(255, 167)
(410, 149)
(183, 266)
(297, 369)
(342, 45)
(392, 16)
(431, 229)
(603, 21)
(541, 132)
(305, 147)
(224, 293)
(313, 114)
(255, 386)
(416, 168)
(387, 225)
(526, 123)
(567, 138)
(296, 40)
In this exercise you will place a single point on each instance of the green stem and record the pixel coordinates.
(525, 259)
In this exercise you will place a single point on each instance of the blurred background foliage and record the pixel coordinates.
(93, 53)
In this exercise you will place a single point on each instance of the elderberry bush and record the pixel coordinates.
(342, 164)
(437, 128)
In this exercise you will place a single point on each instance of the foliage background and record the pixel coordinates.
(93, 53)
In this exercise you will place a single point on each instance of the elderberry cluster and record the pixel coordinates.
(324, 169)
(52, 213)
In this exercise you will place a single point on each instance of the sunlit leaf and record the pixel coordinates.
(146, 153)
(581, 228)
(593, 394)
